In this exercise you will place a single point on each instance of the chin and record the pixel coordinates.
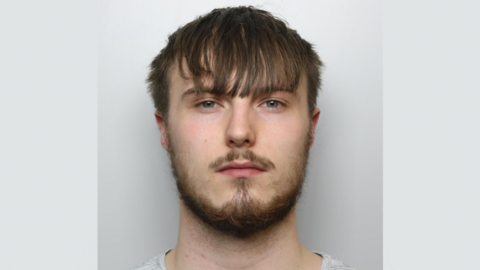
(243, 215)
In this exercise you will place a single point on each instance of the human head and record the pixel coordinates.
(239, 53)
(244, 50)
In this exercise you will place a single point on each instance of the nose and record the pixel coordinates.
(240, 131)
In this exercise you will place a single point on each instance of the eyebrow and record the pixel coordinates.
(189, 91)
(192, 91)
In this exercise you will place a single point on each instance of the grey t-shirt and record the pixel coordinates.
(158, 263)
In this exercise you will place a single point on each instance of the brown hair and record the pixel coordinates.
(242, 50)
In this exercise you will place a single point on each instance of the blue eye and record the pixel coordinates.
(208, 104)
(272, 104)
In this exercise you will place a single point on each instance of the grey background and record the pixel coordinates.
(341, 209)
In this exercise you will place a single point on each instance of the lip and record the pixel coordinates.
(241, 169)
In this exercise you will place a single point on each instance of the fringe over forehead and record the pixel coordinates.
(236, 51)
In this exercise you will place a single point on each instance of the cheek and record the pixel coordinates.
(195, 140)
(195, 134)
(288, 132)
(285, 143)
(195, 128)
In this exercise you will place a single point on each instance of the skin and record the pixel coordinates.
(204, 127)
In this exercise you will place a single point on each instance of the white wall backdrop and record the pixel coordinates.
(340, 212)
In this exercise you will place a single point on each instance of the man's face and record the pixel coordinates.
(239, 162)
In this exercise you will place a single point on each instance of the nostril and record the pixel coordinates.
(239, 142)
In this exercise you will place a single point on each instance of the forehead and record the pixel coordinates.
(231, 84)
(181, 82)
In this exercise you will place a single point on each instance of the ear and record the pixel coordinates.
(315, 116)
(162, 126)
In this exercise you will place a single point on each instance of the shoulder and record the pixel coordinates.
(332, 263)
(152, 264)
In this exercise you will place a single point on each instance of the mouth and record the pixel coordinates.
(241, 169)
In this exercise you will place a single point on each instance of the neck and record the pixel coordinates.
(201, 247)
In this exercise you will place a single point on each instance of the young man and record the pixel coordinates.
(235, 92)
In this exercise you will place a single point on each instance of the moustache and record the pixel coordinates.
(245, 154)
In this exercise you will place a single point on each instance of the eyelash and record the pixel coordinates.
(207, 101)
(279, 104)
(200, 105)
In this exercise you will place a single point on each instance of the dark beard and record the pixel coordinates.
(243, 216)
